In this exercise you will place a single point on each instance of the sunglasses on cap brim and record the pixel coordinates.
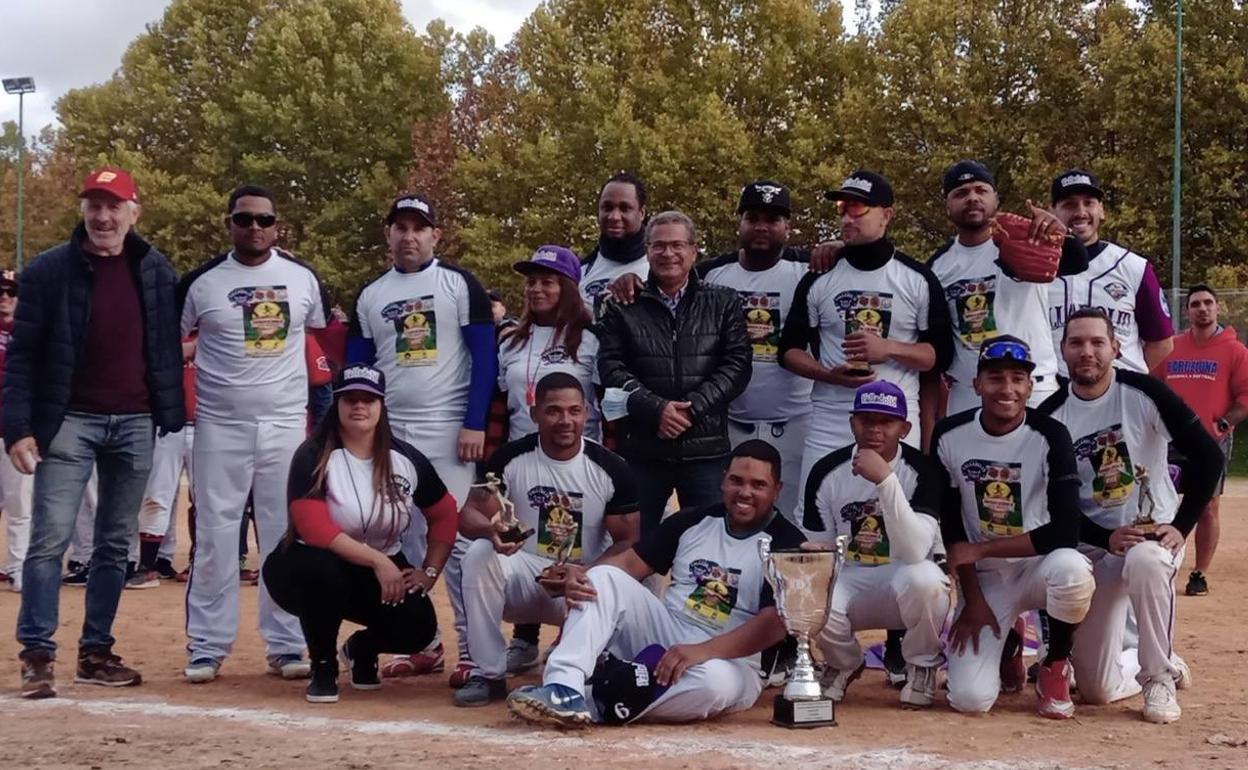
(1005, 351)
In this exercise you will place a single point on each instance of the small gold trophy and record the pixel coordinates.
(512, 531)
(858, 367)
(1147, 506)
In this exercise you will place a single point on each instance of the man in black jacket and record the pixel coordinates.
(94, 367)
(681, 353)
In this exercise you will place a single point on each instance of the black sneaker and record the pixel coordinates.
(362, 666)
(100, 666)
(1196, 584)
(164, 568)
(38, 680)
(323, 686)
(894, 663)
(76, 573)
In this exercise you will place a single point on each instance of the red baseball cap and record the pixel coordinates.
(112, 180)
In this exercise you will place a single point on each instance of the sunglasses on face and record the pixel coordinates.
(854, 209)
(244, 219)
(1003, 351)
(8, 291)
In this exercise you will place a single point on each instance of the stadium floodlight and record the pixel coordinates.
(20, 86)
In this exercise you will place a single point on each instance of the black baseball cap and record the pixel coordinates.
(1005, 351)
(766, 195)
(966, 171)
(8, 278)
(1076, 180)
(866, 186)
(416, 204)
(361, 377)
(624, 689)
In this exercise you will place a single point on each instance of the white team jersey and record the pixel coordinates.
(839, 502)
(774, 394)
(1003, 482)
(553, 495)
(1110, 283)
(350, 495)
(415, 321)
(1121, 443)
(985, 302)
(601, 272)
(521, 368)
(893, 301)
(249, 358)
(717, 577)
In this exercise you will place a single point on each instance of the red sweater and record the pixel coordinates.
(1209, 376)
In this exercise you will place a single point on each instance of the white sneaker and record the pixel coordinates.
(835, 682)
(1160, 704)
(920, 689)
(201, 670)
(288, 666)
(1183, 679)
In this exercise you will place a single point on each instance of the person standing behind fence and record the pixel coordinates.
(94, 368)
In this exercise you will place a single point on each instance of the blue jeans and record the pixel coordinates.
(696, 483)
(120, 446)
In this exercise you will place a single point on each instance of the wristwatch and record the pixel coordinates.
(431, 573)
(1222, 424)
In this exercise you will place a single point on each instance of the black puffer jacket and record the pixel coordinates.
(54, 303)
(701, 355)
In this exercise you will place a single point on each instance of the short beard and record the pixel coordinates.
(244, 251)
(772, 252)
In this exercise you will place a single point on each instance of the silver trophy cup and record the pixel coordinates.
(802, 581)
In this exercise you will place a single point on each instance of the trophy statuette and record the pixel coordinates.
(512, 531)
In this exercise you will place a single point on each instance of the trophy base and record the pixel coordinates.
(858, 369)
(803, 714)
(516, 535)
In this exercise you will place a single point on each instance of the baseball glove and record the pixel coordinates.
(1026, 261)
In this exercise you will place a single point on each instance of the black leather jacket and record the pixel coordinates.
(701, 355)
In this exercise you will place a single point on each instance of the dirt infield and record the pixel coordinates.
(248, 720)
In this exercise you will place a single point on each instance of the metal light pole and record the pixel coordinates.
(1176, 247)
(21, 87)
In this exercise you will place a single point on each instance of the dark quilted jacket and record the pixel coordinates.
(52, 310)
(702, 355)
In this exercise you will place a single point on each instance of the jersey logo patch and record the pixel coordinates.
(866, 311)
(1113, 475)
(1117, 289)
(762, 323)
(868, 541)
(415, 331)
(266, 319)
(998, 495)
(972, 301)
(560, 516)
(715, 594)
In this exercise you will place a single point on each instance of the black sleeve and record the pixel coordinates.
(26, 345)
(479, 308)
(1075, 257)
(798, 333)
(625, 499)
(302, 478)
(928, 493)
(658, 549)
(783, 536)
(952, 527)
(1205, 461)
(812, 518)
(939, 331)
(1065, 517)
(429, 486)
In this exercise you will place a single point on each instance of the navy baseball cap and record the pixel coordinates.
(866, 186)
(765, 195)
(1076, 180)
(413, 204)
(1005, 351)
(624, 689)
(966, 171)
(361, 377)
(880, 397)
(551, 259)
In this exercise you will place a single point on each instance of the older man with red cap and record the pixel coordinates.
(94, 367)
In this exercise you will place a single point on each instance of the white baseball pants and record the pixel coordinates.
(1059, 582)
(228, 461)
(170, 455)
(915, 597)
(789, 439)
(625, 619)
(15, 491)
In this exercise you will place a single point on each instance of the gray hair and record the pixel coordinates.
(82, 206)
(671, 218)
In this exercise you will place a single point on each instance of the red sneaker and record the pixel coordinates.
(463, 670)
(1013, 669)
(424, 662)
(1053, 687)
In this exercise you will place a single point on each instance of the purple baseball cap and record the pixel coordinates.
(361, 377)
(881, 397)
(552, 259)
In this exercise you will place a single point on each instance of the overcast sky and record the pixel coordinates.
(66, 44)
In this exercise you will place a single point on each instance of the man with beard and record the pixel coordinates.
(1208, 368)
(621, 247)
(1117, 280)
(1135, 527)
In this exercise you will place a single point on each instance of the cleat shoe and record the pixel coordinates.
(1197, 585)
(201, 670)
(1053, 687)
(363, 668)
(185, 575)
(76, 574)
(289, 666)
(1161, 707)
(521, 656)
(462, 671)
(1014, 674)
(143, 579)
(427, 661)
(551, 704)
(920, 689)
(38, 680)
(323, 685)
(894, 663)
(102, 667)
(835, 682)
(164, 569)
(479, 691)
(1183, 679)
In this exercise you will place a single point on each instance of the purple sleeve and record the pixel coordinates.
(1152, 316)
